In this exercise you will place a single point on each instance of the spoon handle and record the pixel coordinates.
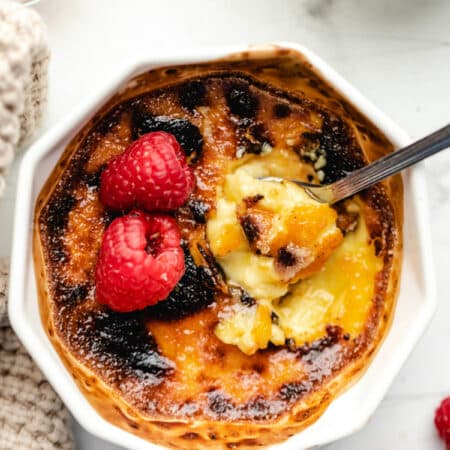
(391, 164)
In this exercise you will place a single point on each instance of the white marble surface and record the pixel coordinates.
(397, 52)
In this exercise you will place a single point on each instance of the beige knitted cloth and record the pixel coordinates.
(23, 78)
(31, 414)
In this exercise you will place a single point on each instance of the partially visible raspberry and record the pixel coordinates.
(442, 421)
(151, 174)
(140, 261)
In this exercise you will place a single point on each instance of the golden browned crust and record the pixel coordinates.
(141, 384)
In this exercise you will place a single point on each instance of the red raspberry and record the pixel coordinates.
(140, 261)
(151, 174)
(442, 421)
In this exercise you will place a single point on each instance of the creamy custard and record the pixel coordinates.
(331, 278)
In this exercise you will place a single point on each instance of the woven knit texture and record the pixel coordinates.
(31, 414)
(24, 59)
(32, 417)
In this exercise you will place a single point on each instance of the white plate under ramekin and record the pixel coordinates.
(350, 411)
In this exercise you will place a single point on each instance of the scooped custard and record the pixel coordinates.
(267, 236)
(283, 300)
(286, 251)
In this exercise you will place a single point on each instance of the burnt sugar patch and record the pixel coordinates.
(186, 133)
(198, 210)
(253, 137)
(258, 408)
(110, 120)
(281, 110)
(57, 212)
(121, 341)
(336, 141)
(291, 392)
(71, 294)
(241, 101)
(193, 292)
(92, 179)
(192, 94)
(52, 223)
(219, 404)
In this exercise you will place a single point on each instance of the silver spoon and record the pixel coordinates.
(379, 170)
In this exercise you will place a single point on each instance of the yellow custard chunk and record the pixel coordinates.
(340, 294)
(267, 235)
(255, 226)
(250, 328)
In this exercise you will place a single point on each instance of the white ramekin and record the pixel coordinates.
(347, 413)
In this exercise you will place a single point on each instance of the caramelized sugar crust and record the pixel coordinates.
(162, 373)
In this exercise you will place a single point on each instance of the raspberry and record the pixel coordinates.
(442, 421)
(151, 174)
(140, 261)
